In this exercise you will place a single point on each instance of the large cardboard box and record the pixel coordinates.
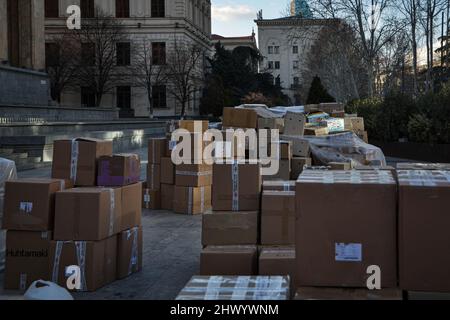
(229, 261)
(167, 191)
(153, 176)
(30, 203)
(193, 175)
(345, 222)
(284, 150)
(191, 147)
(277, 261)
(237, 187)
(284, 171)
(167, 171)
(96, 259)
(26, 258)
(191, 200)
(230, 228)
(240, 118)
(88, 213)
(324, 293)
(156, 150)
(151, 199)
(278, 218)
(424, 202)
(118, 170)
(131, 212)
(294, 123)
(194, 126)
(76, 159)
(300, 146)
(297, 165)
(129, 252)
(279, 185)
(271, 124)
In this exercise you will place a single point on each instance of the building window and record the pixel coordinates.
(295, 65)
(122, 8)
(296, 81)
(277, 64)
(270, 65)
(270, 49)
(276, 50)
(124, 97)
(51, 54)
(88, 54)
(87, 97)
(51, 8)
(123, 53)
(159, 96)
(87, 8)
(295, 49)
(158, 9)
(159, 53)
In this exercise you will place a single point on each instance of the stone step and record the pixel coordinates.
(15, 156)
(6, 151)
(31, 165)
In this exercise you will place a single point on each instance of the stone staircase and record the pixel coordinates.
(22, 160)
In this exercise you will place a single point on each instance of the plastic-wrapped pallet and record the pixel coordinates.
(236, 288)
(7, 172)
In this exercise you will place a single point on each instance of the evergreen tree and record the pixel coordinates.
(318, 93)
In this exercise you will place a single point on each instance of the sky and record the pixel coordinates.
(236, 18)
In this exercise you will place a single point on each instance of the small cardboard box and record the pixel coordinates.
(230, 228)
(271, 124)
(99, 259)
(167, 171)
(88, 213)
(240, 118)
(316, 131)
(30, 203)
(279, 185)
(284, 171)
(151, 199)
(229, 261)
(118, 170)
(193, 175)
(167, 191)
(153, 176)
(300, 146)
(194, 126)
(237, 187)
(327, 293)
(131, 206)
(129, 252)
(191, 200)
(277, 261)
(294, 124)
(156, 150)
(354, 123)
(297, 165)
(278, 218)
(27, 254)
(340, 165)
(76, 159)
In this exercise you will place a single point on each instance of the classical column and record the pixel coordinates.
(37, 34)
(3, 30)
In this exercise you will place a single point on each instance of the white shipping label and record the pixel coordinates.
(348, 252)
(146, 198)
(26, 207)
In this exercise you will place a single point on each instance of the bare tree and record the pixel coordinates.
(147, 74)
(184, 72)
(97, 41)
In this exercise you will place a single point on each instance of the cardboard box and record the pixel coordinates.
(297, 165)
(153, 176)
(424, 201)
(236, 288)
(131, 206)
(151, 199)
(278, 218)
(300, 146)
(240, 118)
(167, 171)
(354, 123)
(193, 175)
(118, 170)
(316, 131)
(279, 185)
(316, 117)
(284, 150)
(363, 135)
(191, 200)
(76, 159)
(191, 148)
(423, 166)
(324, 293)
(229, 261)
(156, 150)
(193, 125)
(26, 258)
(294, 123)
(345, 222)
(230, 228)
(129, 252)
(237, 187)
(271, 124)
(88, 213)
(334, 124)
(99, 259)
(277, 261)
(340, 165)
(30, 203)
(167, 191)
(284, 171)
(330, 107)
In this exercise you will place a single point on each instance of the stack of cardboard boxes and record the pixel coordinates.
(95, 226)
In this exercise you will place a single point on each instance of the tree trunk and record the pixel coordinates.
(150, 102)
(370, 79)
(414, 51)
(183, 109)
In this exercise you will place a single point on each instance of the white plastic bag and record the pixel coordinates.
(46, 290)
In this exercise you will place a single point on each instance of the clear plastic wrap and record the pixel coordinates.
(344, 147)
(7, 172)
(236, 288)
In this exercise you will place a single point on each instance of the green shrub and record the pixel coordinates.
(420, 128)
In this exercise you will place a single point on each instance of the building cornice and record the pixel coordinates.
(293, 21)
